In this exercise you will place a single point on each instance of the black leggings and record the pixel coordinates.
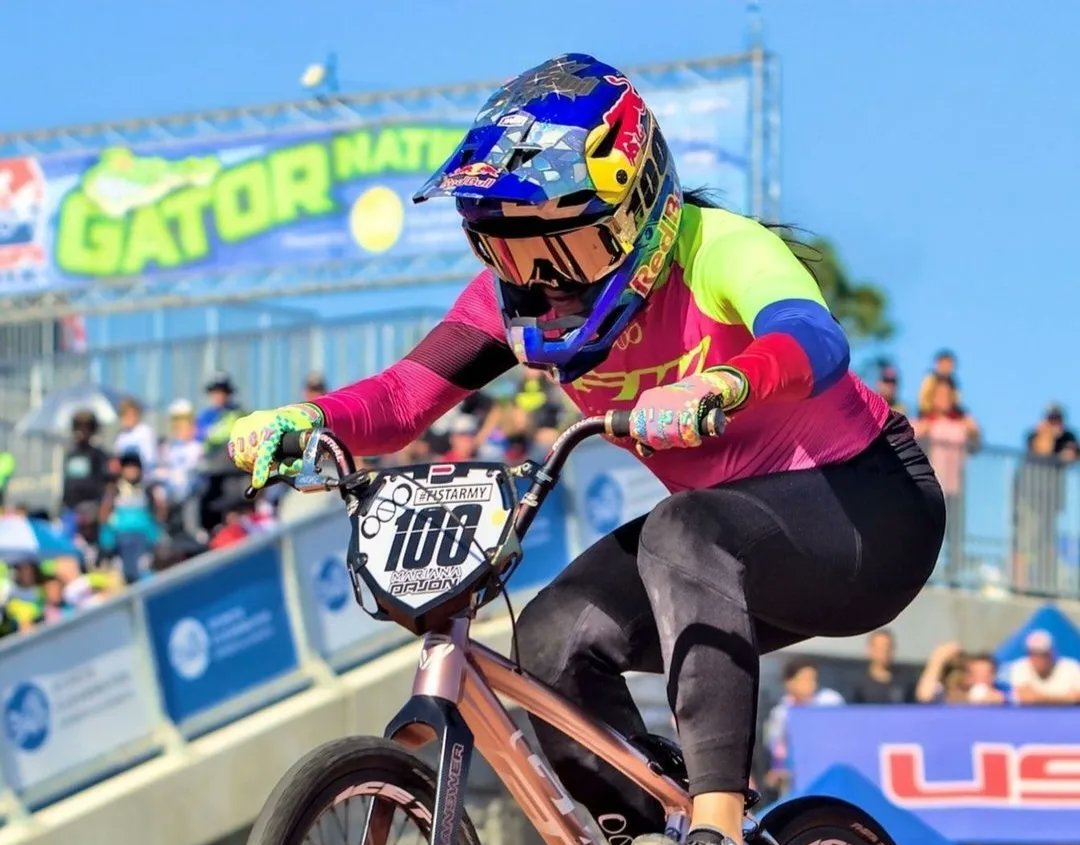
(709, 580)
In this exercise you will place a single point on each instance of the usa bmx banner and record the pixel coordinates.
(991, 775)
(296, 197)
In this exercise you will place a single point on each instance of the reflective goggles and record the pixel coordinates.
(584, 254)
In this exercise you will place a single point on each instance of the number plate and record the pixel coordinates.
(426, 533)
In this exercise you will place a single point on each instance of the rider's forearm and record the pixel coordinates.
(460, 355)
(384, 413)
(799, 351)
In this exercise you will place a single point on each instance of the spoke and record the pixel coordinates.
(380, 815)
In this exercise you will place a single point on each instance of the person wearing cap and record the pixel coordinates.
(1051, 437)
(888, 386)
(132, 514)
(180, 454)
(220, 414)
(944, 368)
(85, 469)
(1044, 677)
(135, 434)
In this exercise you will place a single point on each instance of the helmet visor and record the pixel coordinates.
(583, 255)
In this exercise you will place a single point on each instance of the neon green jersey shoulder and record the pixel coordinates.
(735, 267)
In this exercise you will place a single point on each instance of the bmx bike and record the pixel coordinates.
(430, 545)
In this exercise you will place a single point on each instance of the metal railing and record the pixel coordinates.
(1013, 521)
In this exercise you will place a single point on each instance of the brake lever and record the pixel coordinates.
(308, 480)
(251, 493)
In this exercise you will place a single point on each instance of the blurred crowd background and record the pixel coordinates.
(137, 500)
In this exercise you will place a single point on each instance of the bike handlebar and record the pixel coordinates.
(299, 445)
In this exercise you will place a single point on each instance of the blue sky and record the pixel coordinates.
(935, 143)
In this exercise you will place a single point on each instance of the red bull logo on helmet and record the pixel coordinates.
(479, 174)
(22, 214)
(628, 115)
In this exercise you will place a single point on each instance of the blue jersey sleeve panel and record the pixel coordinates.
(815, 330)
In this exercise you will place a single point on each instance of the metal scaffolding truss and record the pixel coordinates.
(194, 288)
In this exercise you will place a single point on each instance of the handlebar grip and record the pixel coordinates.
(618, 423)
(292, 445)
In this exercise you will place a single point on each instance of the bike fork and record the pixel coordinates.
(432, 713)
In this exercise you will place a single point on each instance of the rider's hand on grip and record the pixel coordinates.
(679, 415)
(255, 443)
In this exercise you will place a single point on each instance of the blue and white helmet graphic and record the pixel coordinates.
(565, 181)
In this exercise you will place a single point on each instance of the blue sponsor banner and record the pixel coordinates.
(334, 620)
(546, 550)
(295, 197)
(70, 698)
(976, 774)
(610, 487)
(221, 633)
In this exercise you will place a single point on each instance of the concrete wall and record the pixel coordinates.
(214, 787)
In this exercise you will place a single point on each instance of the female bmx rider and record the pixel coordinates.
(813, 514)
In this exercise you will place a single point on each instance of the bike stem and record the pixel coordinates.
(546, 476)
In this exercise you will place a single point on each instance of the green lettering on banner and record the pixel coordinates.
(87, 242)
(242, 205)
(387, 155)
(149, 240)
(412, 141)
(173, 208)
(443, 142)
(352, 155)
(185, 208)
(301, 182)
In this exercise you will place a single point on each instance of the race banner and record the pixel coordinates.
(221, 633)
(72, 703)
(991, 775)
(217, 203)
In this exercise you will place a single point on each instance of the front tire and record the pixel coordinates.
(313, 801)
(828, 824)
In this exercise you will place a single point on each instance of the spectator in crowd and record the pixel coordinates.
(24, 604)
(948, 433)
(944, 368)
(314, 386)
(880, 685)
(1043, 677)
(135, 434)
(1050, 436)
(983, 684)
(180, 456)
(85, 469)
(214, 422)
(212, 426)
(462, 436)
(944, 679)
(888, 385)
(800, 690)
(1039, 495)
(242, 520)
(132, 514)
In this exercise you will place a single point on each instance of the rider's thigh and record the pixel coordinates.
(596, 608)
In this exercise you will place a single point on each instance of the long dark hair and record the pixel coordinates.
(705, 197)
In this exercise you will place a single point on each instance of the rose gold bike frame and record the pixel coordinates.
(457, 675)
